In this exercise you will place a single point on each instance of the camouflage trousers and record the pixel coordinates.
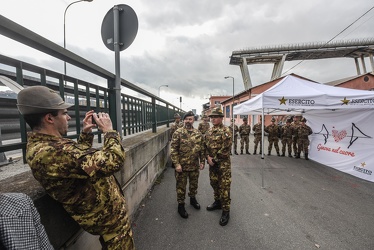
(235, 144)
(181, 178)
(303, 145)
(294, 144)
(220, 180)
(273, 140)
(120, 242)
(244, 139)
(256, 141)
(287, 142)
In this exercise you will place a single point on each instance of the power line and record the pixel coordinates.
(331, 39)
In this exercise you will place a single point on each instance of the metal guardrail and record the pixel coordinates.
(138, 114)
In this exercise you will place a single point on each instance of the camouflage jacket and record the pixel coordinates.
(187, 149)
(218, 142)
(81, 178)
(257, 129)
(236, 129)
(174, 127)
(203, 127)
(286, 131)
(244, 129)
(272, 129)
(304, 131)
(295, 126)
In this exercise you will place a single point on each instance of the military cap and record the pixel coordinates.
(189, 113)
(273, 119)
(39, 99)
(289, 120)
(245, 119)
(176, 115)
(205, 116)
(216, 112)
(303, 119)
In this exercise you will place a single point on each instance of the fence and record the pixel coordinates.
(138, 114)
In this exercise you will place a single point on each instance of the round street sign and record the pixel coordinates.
(128, 27)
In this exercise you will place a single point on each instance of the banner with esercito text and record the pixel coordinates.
(344, 140)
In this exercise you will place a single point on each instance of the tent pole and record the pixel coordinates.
(262, 146)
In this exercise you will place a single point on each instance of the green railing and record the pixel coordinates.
(138, 114)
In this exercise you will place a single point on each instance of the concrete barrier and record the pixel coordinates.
(147, 156)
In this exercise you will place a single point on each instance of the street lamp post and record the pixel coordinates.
(232, 109)
(65, 27)
(160, 88)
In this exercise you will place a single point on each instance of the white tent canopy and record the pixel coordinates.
(295, 95)
(341, 120)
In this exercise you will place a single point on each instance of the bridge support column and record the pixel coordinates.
(357, 66)
(245, 74)
(371, 62)
(363, 64)
(278, 67)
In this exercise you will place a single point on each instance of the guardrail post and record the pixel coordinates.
(2, 154)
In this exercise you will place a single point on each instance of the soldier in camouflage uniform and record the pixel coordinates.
(272, 131)
(73, 173)
(286, 135)
(257, 130)
(244, 131)
(218, 142)
(187, 154)
(295, 125)
(234, 128)
(303, 143)
(177, 124)
(204, 125)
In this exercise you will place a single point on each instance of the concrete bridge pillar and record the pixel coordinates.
(245, 74)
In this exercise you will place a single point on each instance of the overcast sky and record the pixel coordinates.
(186, 44)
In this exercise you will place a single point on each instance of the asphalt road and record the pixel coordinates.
(277, 203)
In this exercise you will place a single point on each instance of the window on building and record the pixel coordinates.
(228, 111)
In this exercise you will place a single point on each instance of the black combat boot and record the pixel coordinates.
(297, 156)
(241, 152)
(224, 218)
(269, 153)
(278, 153)
(290, 155)
(236, 152)
(194, 203)
(216, 205)
(283, 154)
(247, 152)
(306, 156)
(254, 152)
(182, 211)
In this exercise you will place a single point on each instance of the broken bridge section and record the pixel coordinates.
(278, 54)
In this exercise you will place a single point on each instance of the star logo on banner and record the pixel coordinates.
(345, 101)
(363, 164)
(282, 101)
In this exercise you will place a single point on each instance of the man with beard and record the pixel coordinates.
(218, 142)
(187, 154)
(73, 173)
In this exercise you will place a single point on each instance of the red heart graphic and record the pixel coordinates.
(338, 136)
